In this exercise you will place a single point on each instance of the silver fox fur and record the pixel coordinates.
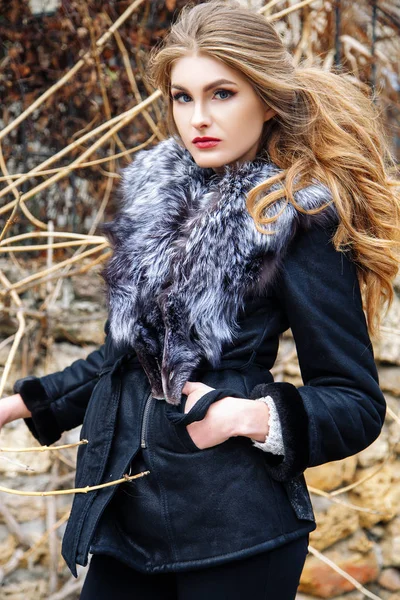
(186, 255)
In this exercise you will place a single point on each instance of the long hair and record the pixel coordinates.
(326, 128)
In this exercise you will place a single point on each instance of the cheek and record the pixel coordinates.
(245, 123)
(177, 116)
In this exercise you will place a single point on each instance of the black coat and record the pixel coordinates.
(202, 507)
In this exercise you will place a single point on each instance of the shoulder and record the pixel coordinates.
(314, 268)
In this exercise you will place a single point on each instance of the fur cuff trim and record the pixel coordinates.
(294, 423)
(273, 442)
(42, 424)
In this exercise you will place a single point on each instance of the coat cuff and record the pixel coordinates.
(273, 442)
(294, 422)
(42, 424)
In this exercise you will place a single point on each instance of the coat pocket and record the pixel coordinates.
(185, 438)
(180, 420)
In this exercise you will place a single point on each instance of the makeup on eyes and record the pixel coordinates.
(179, 95)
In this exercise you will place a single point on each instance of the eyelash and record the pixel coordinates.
(179, 95)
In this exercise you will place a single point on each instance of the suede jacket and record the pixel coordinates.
(202, 507)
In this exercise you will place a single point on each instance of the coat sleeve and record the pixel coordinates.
(340, 409)
(58, 401)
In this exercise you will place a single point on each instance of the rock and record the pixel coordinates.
(387, 347)
(82, 327)
(359, 542)
(332, 475)
(376, 452)
(34, 529)
(378, 532)
(390, 579)
(17, 435)
(319, 579)
(380, 493)
(394, 436)
(389, 379)
(24, 508)
(336, 523)
(16, 589)
(89, 286)
(63, 354)
(390, 544)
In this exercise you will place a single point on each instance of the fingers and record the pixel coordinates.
(193, 386)
(189, 387)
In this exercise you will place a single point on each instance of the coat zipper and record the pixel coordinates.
(145, 419)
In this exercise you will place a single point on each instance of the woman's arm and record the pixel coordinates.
(57, 402)
(340, 409)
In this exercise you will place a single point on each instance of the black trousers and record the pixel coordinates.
(272, 575)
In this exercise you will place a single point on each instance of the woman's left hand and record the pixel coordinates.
(218, 425)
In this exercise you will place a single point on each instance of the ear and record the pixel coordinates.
(269, 113)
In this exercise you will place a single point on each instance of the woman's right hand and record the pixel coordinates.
(12, 408)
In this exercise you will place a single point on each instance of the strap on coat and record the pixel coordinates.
(199, 410)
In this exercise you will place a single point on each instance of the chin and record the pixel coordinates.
(206, 162)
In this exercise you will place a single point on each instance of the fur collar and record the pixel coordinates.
(186, 254)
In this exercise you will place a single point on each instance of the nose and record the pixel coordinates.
(200, 116)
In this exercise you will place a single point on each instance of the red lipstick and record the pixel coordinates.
(205, 142)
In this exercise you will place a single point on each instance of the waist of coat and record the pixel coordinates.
(130, 361)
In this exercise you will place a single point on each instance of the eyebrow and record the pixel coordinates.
(207, 87)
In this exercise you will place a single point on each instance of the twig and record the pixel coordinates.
(72, 146)
(91, 163)
(11, 565)
(17, 203)
(13, 525)
(355, 484)
(133, 84)
(45, 448)
(289, 10)
(393, 414)
(46, 534)
(71, 587)
(51, 519)
(83, 490)
(41, 274)
(65, 234)
(327, 495)
(103, 257)
(121, 122)
(343, 573)
(106, 103)
(10, 220)
(33, 247)
(100, 43)
(18, 463)
(18, 335)
(268, 6)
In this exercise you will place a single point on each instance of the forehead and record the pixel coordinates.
(196, 70)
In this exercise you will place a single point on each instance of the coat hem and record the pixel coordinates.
(180, 566)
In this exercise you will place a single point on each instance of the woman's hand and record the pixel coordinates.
(12, 408)
(228, 417)
(219, 423)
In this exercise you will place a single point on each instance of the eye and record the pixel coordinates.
(180, 95)
(229, 93)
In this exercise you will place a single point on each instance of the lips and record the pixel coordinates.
(205, 142)
(205, 139)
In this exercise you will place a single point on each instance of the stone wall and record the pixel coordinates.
(358, 529)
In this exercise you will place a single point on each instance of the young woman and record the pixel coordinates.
(268, 207)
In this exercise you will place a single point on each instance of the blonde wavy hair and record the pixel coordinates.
(326, 128)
